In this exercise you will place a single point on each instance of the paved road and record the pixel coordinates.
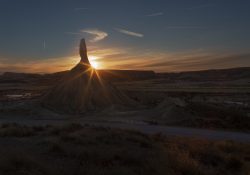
(148, 129)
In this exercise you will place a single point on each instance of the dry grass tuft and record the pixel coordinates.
(15, 130)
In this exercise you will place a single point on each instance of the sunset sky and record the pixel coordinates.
(161, 35)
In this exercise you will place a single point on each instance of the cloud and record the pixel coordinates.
(127, 58)
(193, 61)
(155, 14)
(130, 58)
(44, 44)
(127, 32)
(48, 65)
(98, 35)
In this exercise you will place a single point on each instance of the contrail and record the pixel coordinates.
(155, 14)
(44, 44)
(127, 32)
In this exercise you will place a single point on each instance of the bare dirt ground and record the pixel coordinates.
(179, 104)
(170, 113)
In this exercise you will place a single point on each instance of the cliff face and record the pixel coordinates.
(82, 89)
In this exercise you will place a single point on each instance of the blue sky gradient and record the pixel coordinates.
(146, 32)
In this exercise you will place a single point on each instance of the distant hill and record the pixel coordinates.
(12, 77)
(209, 75)
(110, 75)
(126, 75)
(131, 75)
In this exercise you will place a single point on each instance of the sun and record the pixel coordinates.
(93, 61)
(94, 64)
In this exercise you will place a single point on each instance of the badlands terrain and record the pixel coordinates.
(184, 123)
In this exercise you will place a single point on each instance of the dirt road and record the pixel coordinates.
(145, 128)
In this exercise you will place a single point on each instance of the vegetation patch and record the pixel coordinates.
(77, 149)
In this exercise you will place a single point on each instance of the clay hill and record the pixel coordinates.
(82, 89)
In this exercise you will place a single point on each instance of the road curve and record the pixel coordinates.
(147, 129)
(181, 131)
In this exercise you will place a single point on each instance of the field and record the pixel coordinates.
(77, 149)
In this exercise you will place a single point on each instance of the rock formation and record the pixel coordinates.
(82, 89)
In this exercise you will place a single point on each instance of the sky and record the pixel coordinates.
(42, 36)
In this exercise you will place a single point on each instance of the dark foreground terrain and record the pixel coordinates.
(109, 142)
(213, 99)
(75, 149)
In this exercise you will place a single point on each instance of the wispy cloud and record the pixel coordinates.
(98, 35)
(127, 32)
(128, 58)
(197, 61)
(44, 44)
(155, 14)
(171, 61)
(49, 65)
